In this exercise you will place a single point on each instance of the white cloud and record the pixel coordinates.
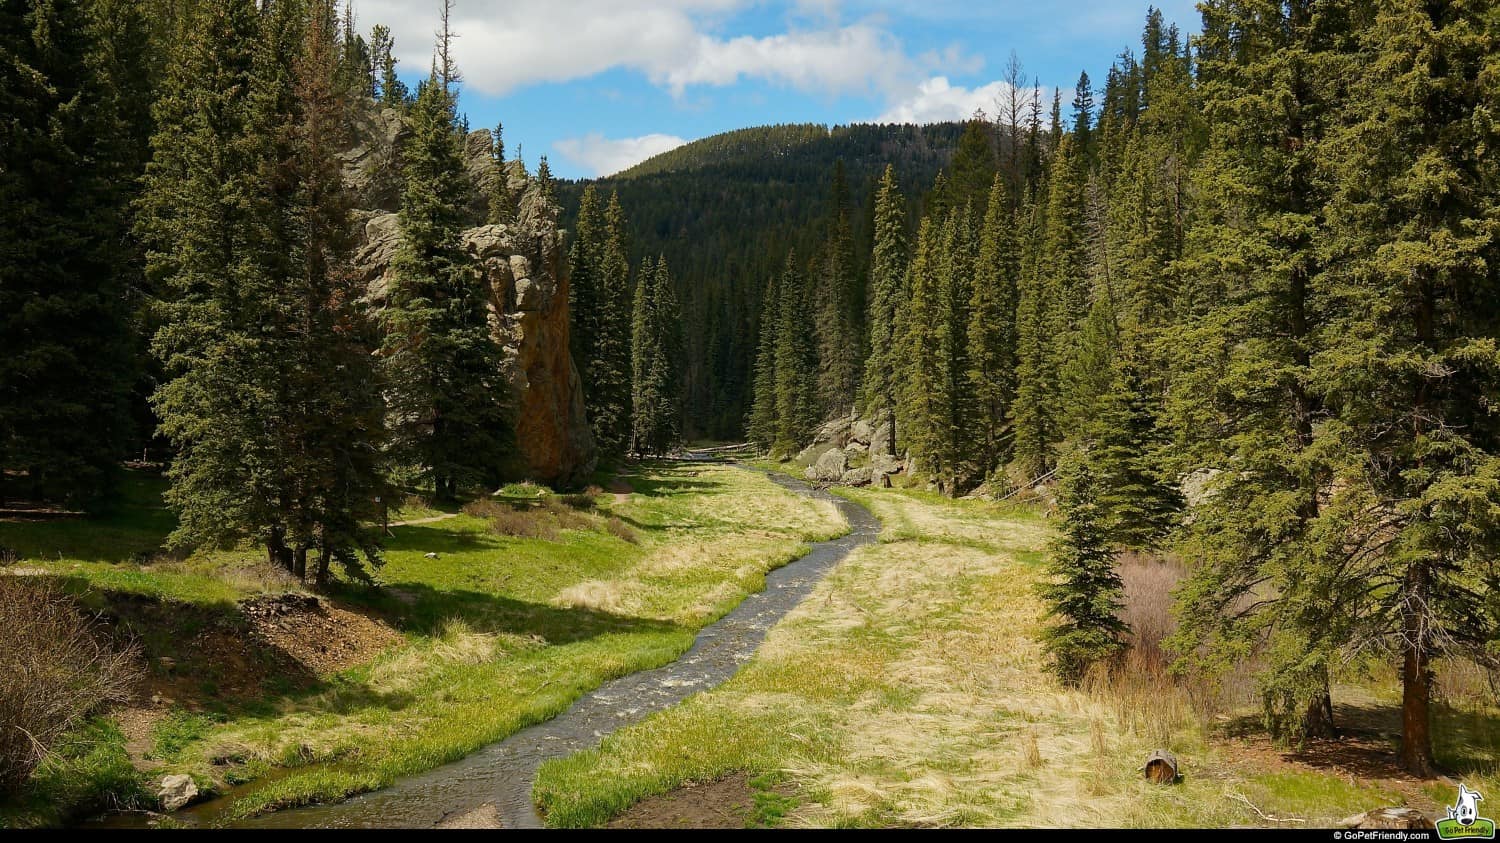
(603, 156)
(506, 44)
(937, 100)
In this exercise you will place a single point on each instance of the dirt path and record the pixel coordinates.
(492, 787)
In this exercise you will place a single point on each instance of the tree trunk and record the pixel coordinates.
(1317, 721)
(277, 553)
(299, 565)
(1416, 677)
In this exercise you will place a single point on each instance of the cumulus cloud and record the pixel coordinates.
(937, 100)
(506, 44)
(603, 156)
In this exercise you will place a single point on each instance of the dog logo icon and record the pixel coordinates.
(1463, 821)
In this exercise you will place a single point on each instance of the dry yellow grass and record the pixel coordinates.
(908, 691)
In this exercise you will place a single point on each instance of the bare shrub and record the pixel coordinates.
(55, 670)
(519, 520)
(583, 501)
(1146, 698)
(8, 556)
(620, 530)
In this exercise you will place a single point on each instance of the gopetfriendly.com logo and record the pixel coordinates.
(1463, 821)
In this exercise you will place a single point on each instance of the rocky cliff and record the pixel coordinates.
(524, 265)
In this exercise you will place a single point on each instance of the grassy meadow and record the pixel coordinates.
(504, 618)
(908, 691)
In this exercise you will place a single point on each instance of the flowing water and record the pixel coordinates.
(501, 775)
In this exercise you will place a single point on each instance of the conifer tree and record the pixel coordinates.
(69, 153)
(609, 408)
(655, 377)
(585, 260)
(973, 165)
(1083, 116)
(502, 201)
(990, 378)
(1408, 362)
(762, 427)
(888, 267)
(1247, 354)
(449, 413)
(206, 220)
(1037, 372)
(391, 91)
(1084, 595)
(840, 307)
(797, 413)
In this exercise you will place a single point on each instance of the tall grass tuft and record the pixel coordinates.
(55, 670)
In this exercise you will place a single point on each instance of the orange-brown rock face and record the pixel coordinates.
(527, 274)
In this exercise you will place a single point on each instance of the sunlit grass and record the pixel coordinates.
(907, 690)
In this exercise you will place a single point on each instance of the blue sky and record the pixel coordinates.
(597, 85)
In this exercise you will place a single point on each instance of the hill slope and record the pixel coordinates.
(726, 210)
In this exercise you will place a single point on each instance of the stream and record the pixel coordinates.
(499, 777)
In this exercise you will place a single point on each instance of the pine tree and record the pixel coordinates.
(888, 268)
(923, 411)
(655, 349)
(840, 307)
(502, 202)
(68, 157)
(797, 413)
(1408, 362)
(762, 427)
(207, 222)
(1242, 391)
(1083, 116)
(973, 165)
(585, 260)
(992, 330)
(391, 91)
(609, 408)
(1084, 596)
(1137, 503)
(1036, 410)
(335, 423)
(449, 411)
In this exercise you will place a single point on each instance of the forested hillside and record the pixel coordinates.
(1240, 300)
(725, 211)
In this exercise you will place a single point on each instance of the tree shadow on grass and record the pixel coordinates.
(1466, 741)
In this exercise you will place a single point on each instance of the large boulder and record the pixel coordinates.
(880, 438)
(829, 468)
(176, 792)
(857, 477)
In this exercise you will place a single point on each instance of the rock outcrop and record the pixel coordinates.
(526, 271)
(851, 451)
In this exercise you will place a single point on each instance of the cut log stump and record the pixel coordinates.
(1161, 767)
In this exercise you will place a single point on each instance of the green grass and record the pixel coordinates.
(500, 632)
(88, 771)
(907, 691)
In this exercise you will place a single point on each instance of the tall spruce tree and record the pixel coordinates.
(448, 400)
(609, 407)
(761, 427)
(888, 266)
(1271, 80)
(992, 331)
(797, 414)
(69, 154)
(840, 306)
(1085, 593)
(585, 261)
(655, 345)
(1408, 362)
(207, 222)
